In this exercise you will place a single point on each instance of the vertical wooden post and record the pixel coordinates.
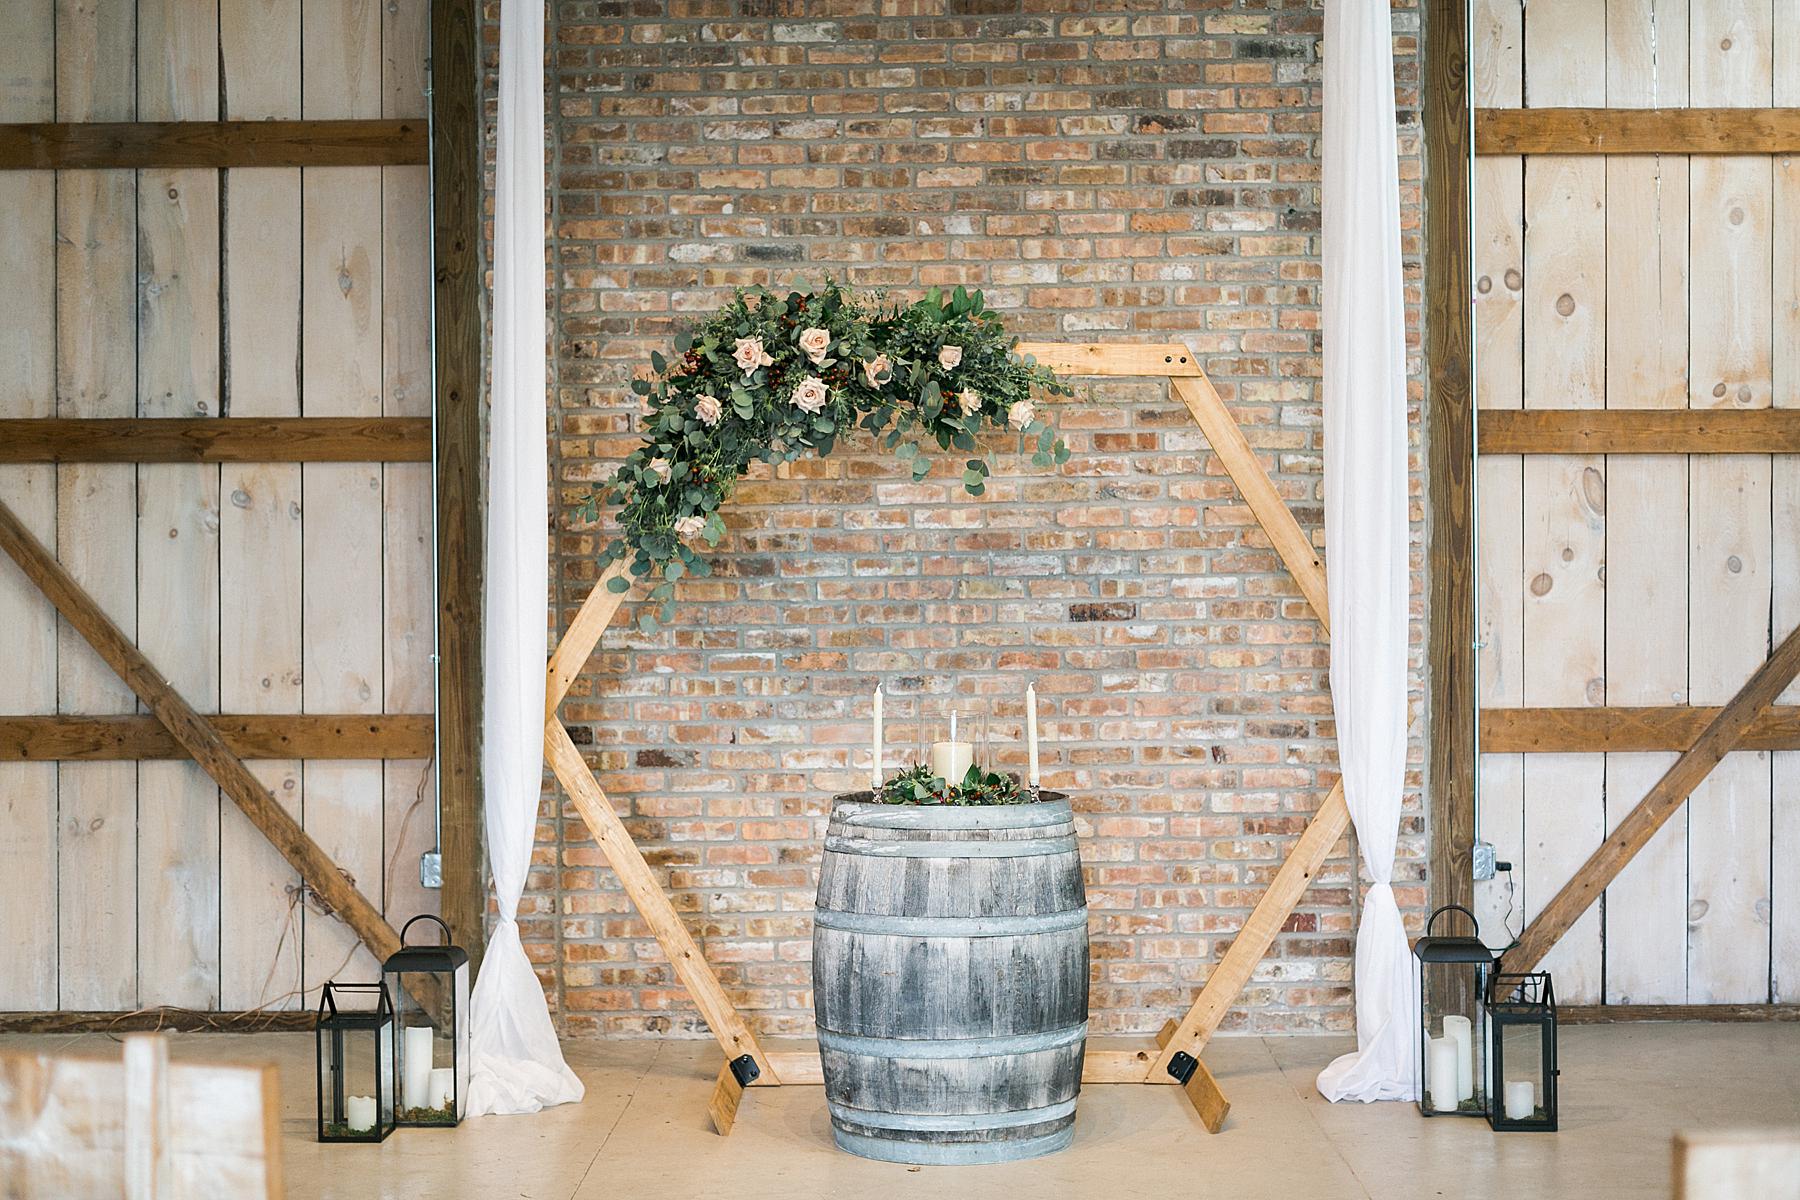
(456, 274)
(1450, 422)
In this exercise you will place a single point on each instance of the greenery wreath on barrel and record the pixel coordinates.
(770, 377)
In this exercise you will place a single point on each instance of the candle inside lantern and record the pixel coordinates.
(359, 1116)
(442, 1087)
(1031, 735)
(1441, 1074)
(1461, 1030)
(1521, 1099)
(875, 753)
(415, 1061)
(951, 760)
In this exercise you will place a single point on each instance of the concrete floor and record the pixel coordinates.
(643, 1131)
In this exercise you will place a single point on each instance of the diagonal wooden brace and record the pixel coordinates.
(200, 740)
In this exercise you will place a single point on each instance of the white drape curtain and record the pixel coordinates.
(516, 1065)
(1364, 323)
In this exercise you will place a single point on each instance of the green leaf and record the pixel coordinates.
(674, 570)
(907, 451)
(659, 362)
(618, 584)
(1062, 454)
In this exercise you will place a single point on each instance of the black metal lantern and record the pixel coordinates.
(1452, 979)
(1522, 1018)
(430, 985)
(355, 1043)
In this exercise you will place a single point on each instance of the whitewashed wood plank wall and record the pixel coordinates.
(1640, 282)
(260, 588)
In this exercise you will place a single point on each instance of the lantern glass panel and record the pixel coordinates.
(355, 1049)
(954, 736)
(1450, 1059)
(1524, 1052)
(430, 985)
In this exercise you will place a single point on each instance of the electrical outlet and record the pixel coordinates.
(1484, 861)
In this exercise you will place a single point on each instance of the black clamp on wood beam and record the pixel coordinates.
(1181, 1066)
(746, 1072)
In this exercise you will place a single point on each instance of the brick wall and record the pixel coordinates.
(1132, 172)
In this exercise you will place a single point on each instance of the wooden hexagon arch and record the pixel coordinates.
(1176, 1057)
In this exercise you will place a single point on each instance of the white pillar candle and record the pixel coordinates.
(1031, 735)
(1461, 1030)
(360, 1113)
(1440, 1074)
(951, 760)
(415, 1063)
(443, 1086)
(1521, 1099)
(875, 752)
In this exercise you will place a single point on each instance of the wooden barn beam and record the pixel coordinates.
(457, 462)
(1617, 730)
(328, 883)
(1450, 455)
(1109, 358)
(66, 738)
(1721, 736)
(1640, 431)
(143, 145)
(215, 439)
(1637, 130)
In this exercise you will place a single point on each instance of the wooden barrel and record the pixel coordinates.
(950, 980)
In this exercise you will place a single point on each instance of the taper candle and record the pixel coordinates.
(875, 753)
(1031, 735)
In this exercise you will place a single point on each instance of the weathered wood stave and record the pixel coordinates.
(950, 972)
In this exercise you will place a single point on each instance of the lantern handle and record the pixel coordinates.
(1429, 921)
(440, 925)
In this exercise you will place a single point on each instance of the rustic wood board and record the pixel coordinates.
(96, 376)
(1498, 226)
(1621, 729)
(208, 145)
(178, 346)
(409, 614)
(341, 376)
(1645, 914)
(245, 438)
(253, 735)
(261, 504)
(1564, 496)
(1784, 917)
(1730, 547)
(27, 622)
(1697, 131)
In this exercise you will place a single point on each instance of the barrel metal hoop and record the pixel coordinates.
(1003, 1046)
(951, 816)
(933, 1154)
(1023, 848)
(950, 1122)
(950, 927)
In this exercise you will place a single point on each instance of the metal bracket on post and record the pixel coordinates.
(431, 869)
(1181, 1066)
(745, 1070)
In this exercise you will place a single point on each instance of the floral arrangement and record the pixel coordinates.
(917, 785)
(770, 377)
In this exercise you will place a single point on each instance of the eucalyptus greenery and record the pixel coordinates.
(771, 376)
(917, 785)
